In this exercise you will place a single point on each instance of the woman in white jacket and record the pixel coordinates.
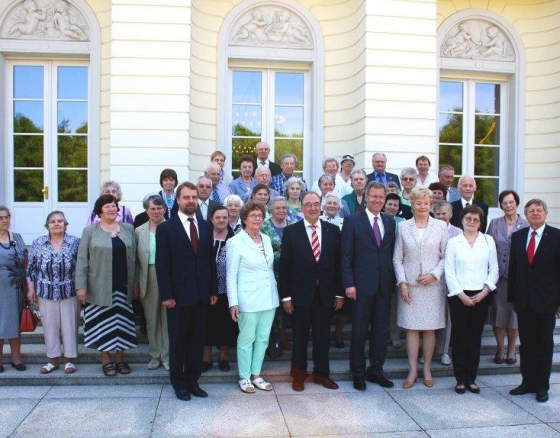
(252, 295)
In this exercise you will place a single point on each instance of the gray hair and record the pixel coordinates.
(51, 214)
(211, 165)
(392, 185)
(379, 154)
(356, 171)
(327, 177)
(445, 168)
(204, 177)
(4, 208)
(410, 171)
(111, 183)
(283, 157)
(534, 201)
(233, 198)
(273, 201)
(155, 198)
(328, 160)
(330, 195)
(442, 204)
(294, 180)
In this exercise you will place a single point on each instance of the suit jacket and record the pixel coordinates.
(299, 271)
(351, 201)
(211, 206)
(250, 280)
(274, 168)
(538, 283)
(389, 176)
(183, 275)
(458, 208)
(414, 257)
(238, 187)
(498, 230)
(363, 265)
(142, 257)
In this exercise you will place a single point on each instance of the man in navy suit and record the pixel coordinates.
(262, 150)
(367, 242)
(534, 292)
(379, 163)
(186, 274)
(310, 289)
(467, 187)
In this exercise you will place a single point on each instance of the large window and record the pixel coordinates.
(270, 105)
(471, 132)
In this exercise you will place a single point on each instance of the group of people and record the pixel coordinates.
(215, 262)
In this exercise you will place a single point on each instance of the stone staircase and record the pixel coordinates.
(89, 368)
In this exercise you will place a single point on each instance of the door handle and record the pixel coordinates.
(45, 192)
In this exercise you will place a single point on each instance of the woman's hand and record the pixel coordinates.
(81, 294)
(136, 291)
(234, 313)
(480, 296)
(427, 279)
(405, 294)
(31, 296)
(467, 301)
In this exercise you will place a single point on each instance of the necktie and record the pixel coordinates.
(531, 248)
(379, 178)
(467, 204)
(315, 246)
(377, 231)
(194, 235)
(263, 163)
(215, 195)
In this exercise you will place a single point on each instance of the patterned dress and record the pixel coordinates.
(13, 256)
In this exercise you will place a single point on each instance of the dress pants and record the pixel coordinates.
(254, 333)
(187, 329)
(156, 319)
(60, 317)
(316, 317)
(366, 311)
(537, 345)
(467, 324)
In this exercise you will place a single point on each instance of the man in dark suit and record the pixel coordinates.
(186, 270)
(204, 204)
(534, 292)
(367, 243)
(379, 163)
(467, 187)
(262, 150)
(310, 289)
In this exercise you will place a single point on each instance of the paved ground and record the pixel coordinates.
(153, 411)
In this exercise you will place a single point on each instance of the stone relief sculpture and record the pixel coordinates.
(34, 20)
(271, 27)
(477, 39)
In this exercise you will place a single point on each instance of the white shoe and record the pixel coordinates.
(445, 359)
(154, 364)
(165, 366)
(421, 360)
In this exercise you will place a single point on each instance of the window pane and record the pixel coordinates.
(72, 82)
(486, 161)
(72, 117)
(487, 190)
(28, 82)
(487, 98)
(288, 121)
(487, 130)
(72, 186)
(72, 151)
(28, 151)
(451, 128)
(247, 120)
(289, 88)
(28, 116)
(450, 96)
(290, 146)
(452, 155)
(247, 87)
(28, 185)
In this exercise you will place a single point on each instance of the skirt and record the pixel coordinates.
(110, 328)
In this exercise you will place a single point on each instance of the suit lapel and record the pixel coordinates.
(365, 222)
(545, 239)
(176, 222)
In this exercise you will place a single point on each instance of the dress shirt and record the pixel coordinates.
(223, 191)
(187, 225)
(203, 208)
(538, 236)
(371, 217)
(470, 268)
(430, 178)
(318, 230)
(277, 183)
(464, 201)
(383, 176)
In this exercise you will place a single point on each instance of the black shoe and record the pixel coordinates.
(197, 391)
(520, 390)
(359, 384)
(206, 366)
(224, 365)
(460, 390)
(1, 368)
(339, 344)
(473, 387)
(183, 394)
(542, 396)
(381, 380)
(19, 366)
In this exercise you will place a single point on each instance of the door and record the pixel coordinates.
(47, 144)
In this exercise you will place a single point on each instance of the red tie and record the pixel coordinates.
(531, 248)
(315, 246)
(194, 235)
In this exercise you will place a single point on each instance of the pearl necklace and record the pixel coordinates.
(256, 237)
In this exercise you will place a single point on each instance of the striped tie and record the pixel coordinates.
(315, 246)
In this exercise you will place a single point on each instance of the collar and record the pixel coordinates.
(200, 202)
(371, 215)
(308, 224)
(464, 201)
(539, 230)
(183, 217)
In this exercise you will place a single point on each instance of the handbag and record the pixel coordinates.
(28, 320)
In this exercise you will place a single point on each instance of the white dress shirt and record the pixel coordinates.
(371, 217)
(186, 224)
(538, 236)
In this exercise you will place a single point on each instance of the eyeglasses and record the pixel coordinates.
(200, 186)
(255, 216)
(5, 218)
(312, 204)
(471, 220)
(408, 179)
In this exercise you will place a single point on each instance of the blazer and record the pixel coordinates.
(250, 280)
(363, 265)
(389, 176)
(498, 230)
(94, 267)
(458, 208)
(414, 257)
(274, 168)
(352, 200)
(538, 283)
(183, 275)
(142, 257)
(211, 206)
(238, 187)
(300, 273)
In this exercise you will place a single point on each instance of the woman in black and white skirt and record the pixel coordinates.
(104, 283)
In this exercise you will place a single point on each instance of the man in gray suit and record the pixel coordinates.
(205, 204)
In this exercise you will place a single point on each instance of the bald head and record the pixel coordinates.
(467, 187)
(213, 172)
(263, 175)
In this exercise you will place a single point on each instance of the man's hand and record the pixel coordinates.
(170, 304)
(288, 307)
(213, 299)
(338, 303)
(351, 292)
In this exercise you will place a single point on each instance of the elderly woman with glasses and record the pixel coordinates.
(409, 178)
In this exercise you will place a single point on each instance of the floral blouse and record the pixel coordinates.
(53, 272)
(271, 231)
